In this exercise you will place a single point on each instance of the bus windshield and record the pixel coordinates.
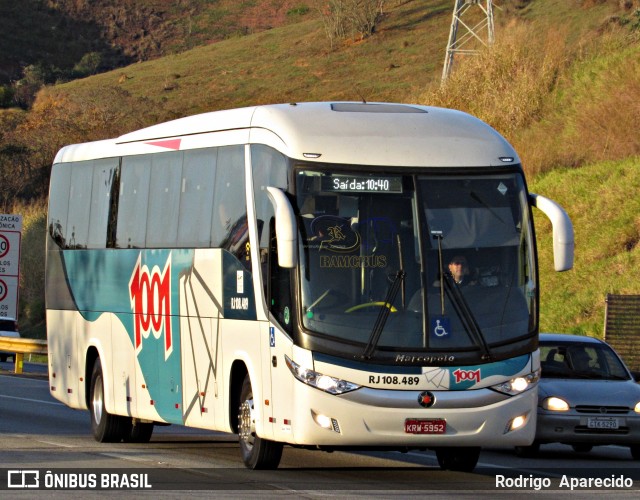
(420, 262)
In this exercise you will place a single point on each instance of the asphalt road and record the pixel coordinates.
(37, 433)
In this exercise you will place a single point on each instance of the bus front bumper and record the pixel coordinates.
(391, 418)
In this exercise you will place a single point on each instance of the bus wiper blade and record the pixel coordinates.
(383, 315)
(465, 313)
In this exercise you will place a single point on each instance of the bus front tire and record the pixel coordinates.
(257, 453)
(458, 459)
(106, 428)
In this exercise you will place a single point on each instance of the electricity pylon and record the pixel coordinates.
(470, 36)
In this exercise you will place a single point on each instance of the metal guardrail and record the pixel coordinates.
(20, 347)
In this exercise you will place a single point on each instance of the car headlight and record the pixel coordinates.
(325, 383)
(518, 385)
(555, 404)
(637, 408)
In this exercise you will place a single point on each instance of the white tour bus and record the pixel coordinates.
(324, 275)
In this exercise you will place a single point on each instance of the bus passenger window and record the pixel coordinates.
(229, 228)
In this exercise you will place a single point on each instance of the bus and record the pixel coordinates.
(286, 273)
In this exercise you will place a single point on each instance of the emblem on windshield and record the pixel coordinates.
(440, 326)
(426, 399)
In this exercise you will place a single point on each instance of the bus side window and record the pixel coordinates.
(59, 203)
(105, 177)
(269, 168)
(279, 284)
(229, 229)
(196, 198)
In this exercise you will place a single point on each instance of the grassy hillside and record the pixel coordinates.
(562, 84)
(604, 203)
(58, 34)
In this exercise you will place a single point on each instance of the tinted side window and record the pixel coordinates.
(104, 176)
(196, 199)
(77, 230)
(269, 168)
(229, 228)
(59, 202)
(164, 200)
(133, 201)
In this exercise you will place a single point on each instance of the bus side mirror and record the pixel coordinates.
(286, 232)
(563, 242)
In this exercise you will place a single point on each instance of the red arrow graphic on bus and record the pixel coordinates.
(169, 144)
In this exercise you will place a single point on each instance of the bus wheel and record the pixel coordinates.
(106, 428)
(257, 453)
(458, 459)
(140, 432)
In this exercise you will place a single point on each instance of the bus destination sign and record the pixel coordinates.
(362, 183)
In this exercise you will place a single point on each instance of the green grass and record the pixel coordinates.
(602, 200)
(293, 63)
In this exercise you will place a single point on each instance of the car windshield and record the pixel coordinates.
(374, 247)
(581, 361)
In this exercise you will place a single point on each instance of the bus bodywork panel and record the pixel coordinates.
(346, 133)
(156, 319)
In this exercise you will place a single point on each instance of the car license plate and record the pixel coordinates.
(425, 426)
(602, 423)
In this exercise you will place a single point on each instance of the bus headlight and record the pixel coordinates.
(325, 383)
(518, 385)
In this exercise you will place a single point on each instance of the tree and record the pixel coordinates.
(345, 18)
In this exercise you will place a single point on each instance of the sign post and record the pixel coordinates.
(10, 236)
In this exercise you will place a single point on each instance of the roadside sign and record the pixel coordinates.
(10, 237)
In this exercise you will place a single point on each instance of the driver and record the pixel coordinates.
(459, 269)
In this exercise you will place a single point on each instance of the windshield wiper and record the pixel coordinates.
(460, 304)
(383, 315)
(466, 315)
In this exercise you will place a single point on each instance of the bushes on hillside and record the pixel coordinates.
(349, 18)
(558, 107)
(32, 305)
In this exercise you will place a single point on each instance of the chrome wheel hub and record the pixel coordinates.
(97, 401)
(246, 423)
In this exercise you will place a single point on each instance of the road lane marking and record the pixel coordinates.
(62, 445)
(26, 381)
(32, 400)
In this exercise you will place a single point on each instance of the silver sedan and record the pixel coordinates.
(587, 396)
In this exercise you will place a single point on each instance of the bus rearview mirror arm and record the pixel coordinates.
(563, 242)
(286, 232)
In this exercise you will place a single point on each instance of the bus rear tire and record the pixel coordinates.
(140, 432)
(458, 459)
(257, 453)
(106, 428)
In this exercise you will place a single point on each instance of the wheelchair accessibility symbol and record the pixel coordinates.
(440, 326)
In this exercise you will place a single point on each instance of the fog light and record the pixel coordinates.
(325, 422)
(516, 423)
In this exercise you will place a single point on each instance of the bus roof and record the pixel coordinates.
(333, 132)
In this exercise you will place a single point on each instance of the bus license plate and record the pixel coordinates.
(425, 426)
(602, 423)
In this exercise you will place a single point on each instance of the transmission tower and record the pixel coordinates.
(465, 37)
